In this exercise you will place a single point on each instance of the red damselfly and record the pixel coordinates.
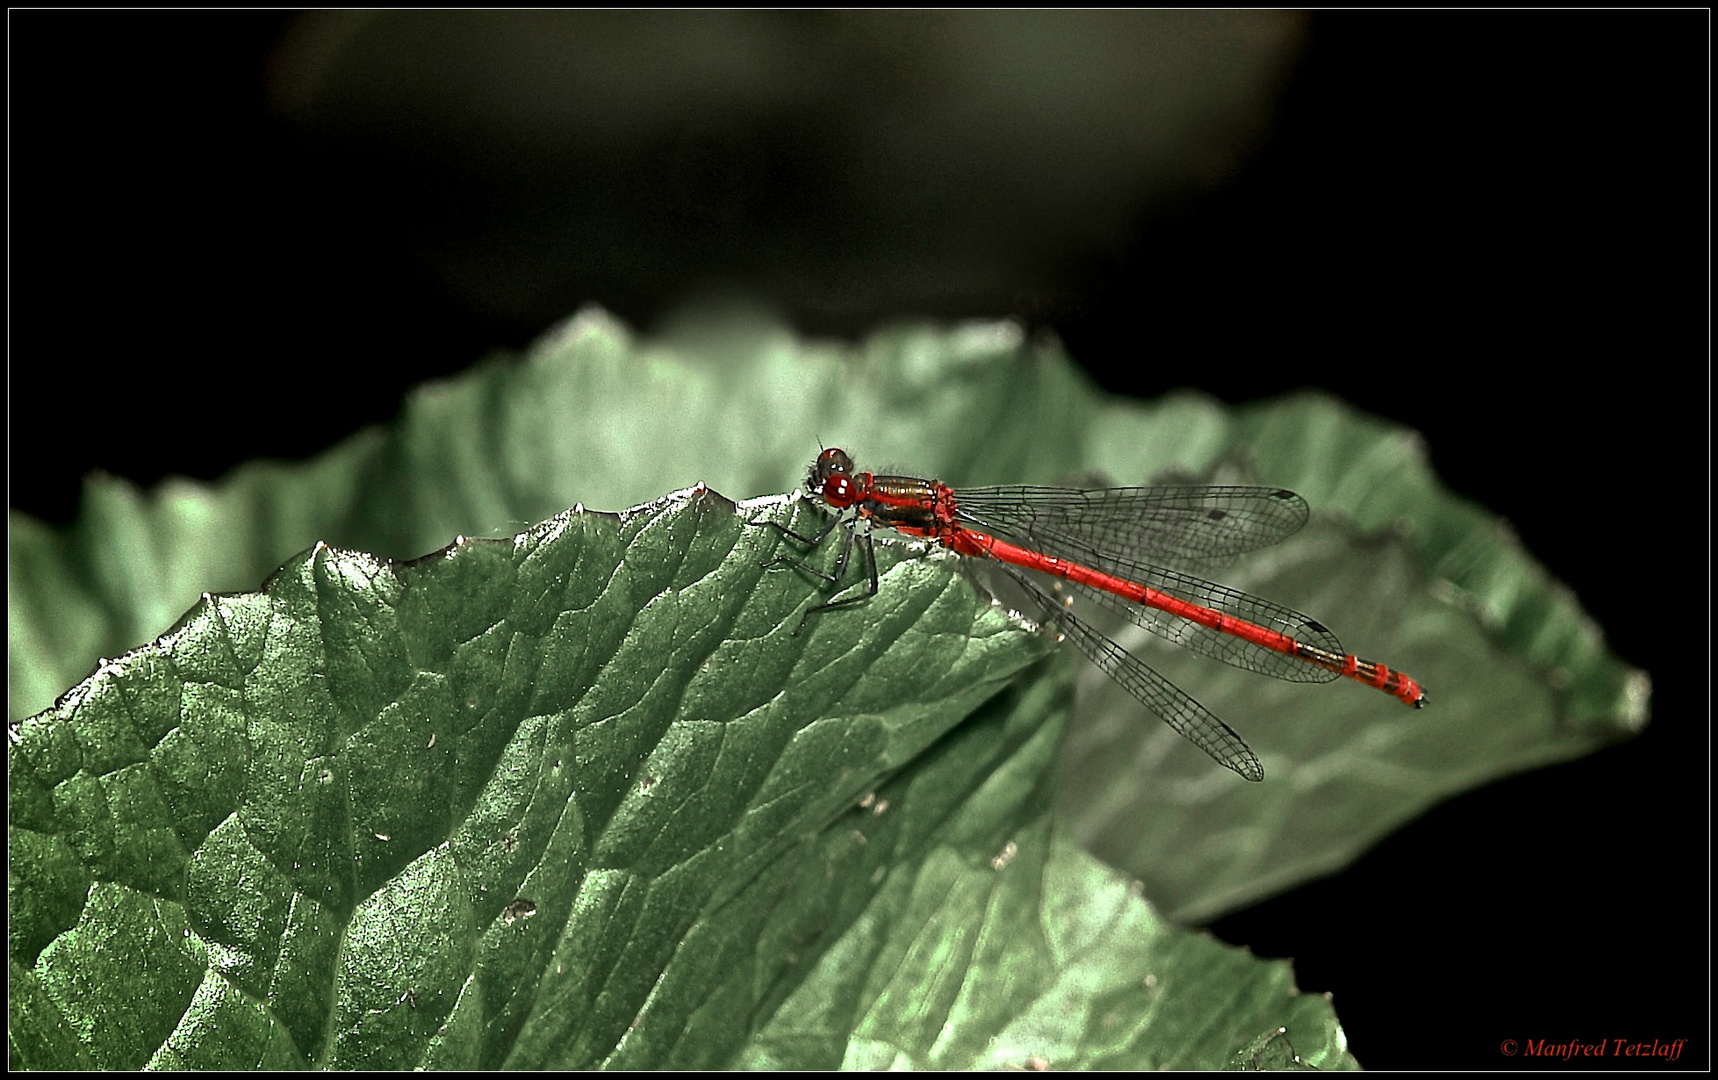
(1097, 540)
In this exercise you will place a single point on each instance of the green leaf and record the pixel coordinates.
(988, 947)
(582, 797)
(1517, 676)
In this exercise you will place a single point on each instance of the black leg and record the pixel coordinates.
(841, 564)
(811, 541)
(841, 572)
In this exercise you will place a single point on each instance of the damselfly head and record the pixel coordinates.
(831, 478)
(831, 463)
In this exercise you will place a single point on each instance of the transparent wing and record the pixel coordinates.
(1202, 639)
(1194, 522)
(1185, 716)
(1173, 523)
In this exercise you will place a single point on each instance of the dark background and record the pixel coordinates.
(1491, 227)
